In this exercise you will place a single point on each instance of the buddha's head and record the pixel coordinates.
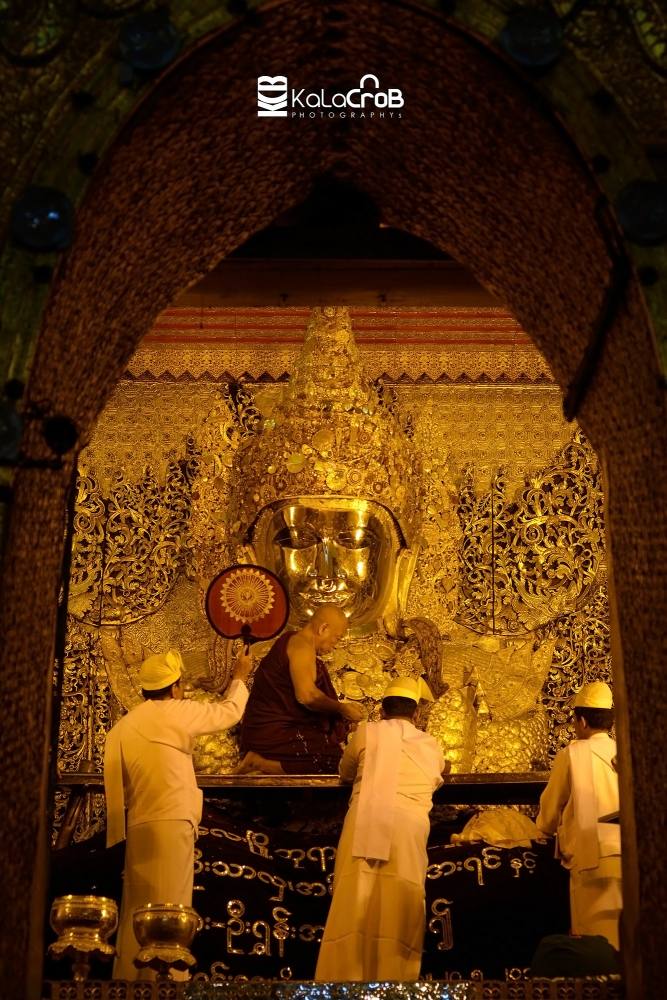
(330, 487)
(338, 551)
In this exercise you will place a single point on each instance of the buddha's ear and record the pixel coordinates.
(395, 608)
(407, 561)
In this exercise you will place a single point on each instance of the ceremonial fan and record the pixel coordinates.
(247, 602)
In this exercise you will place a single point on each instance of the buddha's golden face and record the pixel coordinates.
(330, 551)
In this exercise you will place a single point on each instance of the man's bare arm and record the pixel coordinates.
(303, 671)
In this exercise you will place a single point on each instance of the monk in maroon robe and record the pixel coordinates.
(294, 722)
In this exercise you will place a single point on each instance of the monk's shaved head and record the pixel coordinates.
(329, 614)
(327, 626)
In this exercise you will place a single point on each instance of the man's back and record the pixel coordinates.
(148, 758)
(277, 725)
(272, 701)
(418, 764)
(159, 779)
(375, 927)
(572, 786)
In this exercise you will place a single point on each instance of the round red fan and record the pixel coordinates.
(247, 602)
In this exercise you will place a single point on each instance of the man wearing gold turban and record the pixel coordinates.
(148, 769)
(581, 794)
(375, 928)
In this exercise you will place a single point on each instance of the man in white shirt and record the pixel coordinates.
(375, 927)
(577, 805)
(148, 771)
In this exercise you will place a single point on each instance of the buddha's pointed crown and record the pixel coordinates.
(330, 434)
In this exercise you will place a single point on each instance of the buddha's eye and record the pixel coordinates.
(355, 538)
(298, 537)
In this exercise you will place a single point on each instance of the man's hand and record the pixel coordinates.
(242, 667)
(351, 711)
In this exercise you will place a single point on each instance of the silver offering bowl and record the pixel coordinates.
(83, 924)
(165, 932)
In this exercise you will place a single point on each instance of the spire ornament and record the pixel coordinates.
(330, 434)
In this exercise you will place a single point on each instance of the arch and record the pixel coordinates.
(477, 166)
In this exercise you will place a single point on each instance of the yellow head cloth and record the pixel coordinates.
(414, 688)
(597, 694)
(161, 670)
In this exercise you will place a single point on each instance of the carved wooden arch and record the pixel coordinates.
(477, 166)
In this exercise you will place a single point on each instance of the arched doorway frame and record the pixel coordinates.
(524, 219)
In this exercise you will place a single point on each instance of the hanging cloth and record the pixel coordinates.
(585, 803)
(376, 806)
(114, 790)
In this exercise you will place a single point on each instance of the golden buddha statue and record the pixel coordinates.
(498, 599)
(320, 483)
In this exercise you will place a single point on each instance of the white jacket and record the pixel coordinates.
(393, 766)
(582, 787)
(148, 759)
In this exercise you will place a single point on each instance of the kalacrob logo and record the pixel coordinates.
(276, 99)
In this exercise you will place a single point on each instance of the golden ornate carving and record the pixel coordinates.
(127, 549)
(457, 365)
(534, 573)
(145, 424)
(582, 653)
(227, 426)
(529, 559)
(84, 718)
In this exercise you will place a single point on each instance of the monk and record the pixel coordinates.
(294, 722)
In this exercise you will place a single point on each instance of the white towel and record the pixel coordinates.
(376, 808)
(585, 805)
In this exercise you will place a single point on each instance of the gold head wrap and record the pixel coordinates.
(596, 694)
(414, 688)
(330, 435)
(161, 670)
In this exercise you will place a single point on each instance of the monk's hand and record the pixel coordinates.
(351, 711)
(242, 667)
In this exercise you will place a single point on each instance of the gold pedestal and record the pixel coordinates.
(83, 924)
(165, 932)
